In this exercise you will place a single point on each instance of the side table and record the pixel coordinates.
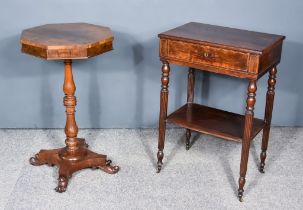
(233, 52)
(67, 42)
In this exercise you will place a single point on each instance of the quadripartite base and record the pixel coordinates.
(84, 158)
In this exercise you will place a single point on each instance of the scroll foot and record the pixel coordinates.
(35, 161)
(66, 167)
(108, 168)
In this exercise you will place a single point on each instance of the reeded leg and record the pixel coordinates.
(75, 156)
(163, 113)
(249, 115)
(268, 114)
(190, 100)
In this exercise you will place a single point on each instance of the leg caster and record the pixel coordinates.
(188, 135)
(241, 190)
(262, 164)
(160, 155)
(240, 195)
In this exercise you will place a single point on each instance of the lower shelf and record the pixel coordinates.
(213, 121)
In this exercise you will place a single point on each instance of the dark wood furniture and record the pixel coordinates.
(66, 42)
(234, 52)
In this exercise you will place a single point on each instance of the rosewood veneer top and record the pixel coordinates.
(229, 37)
(66, 40)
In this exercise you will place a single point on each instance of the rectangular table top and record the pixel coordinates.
(230, 37)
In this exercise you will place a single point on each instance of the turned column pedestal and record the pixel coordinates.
(67, 42)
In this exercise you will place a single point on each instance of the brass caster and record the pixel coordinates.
(187, 146)
(159, 167)
(261, 168)
(240, 195)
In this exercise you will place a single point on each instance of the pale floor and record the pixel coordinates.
(205, 177)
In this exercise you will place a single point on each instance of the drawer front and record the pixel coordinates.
(207, 55)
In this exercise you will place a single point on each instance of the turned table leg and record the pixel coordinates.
(75, 156)
(163, 113)
(190, 100)
(268, 114)
(70, 102)
(248, 125)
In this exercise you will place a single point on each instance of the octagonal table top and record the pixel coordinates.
(66, 41)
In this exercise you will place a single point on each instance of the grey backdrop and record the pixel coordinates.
(120, 89)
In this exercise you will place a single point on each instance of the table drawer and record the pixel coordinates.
(207, 55)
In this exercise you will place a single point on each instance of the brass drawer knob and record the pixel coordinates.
(206, 55)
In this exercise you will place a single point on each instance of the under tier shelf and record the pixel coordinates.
(219, 123)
